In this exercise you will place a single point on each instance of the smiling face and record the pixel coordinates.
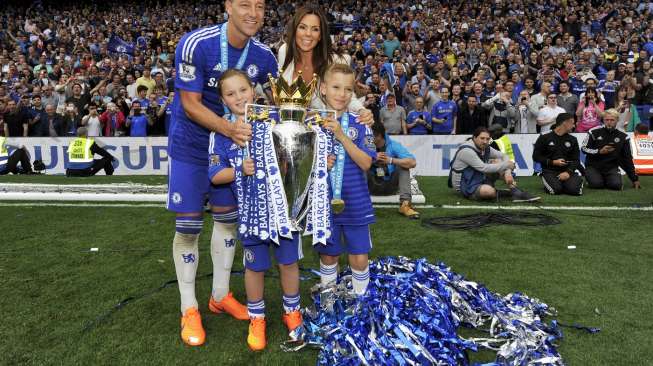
(337, 89)
(308, 33)
(246, 16)
(236, 92)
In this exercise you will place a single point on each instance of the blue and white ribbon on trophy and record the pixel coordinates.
(338, 170)
(318, 219)
(280, 224)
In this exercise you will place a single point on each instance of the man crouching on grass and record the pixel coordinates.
(476, 166)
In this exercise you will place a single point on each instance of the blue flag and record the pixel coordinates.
(118, 45)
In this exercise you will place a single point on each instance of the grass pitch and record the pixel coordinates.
(53, 286)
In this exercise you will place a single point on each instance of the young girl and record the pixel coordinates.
(589, 111)
(350, 230)
(236, 91)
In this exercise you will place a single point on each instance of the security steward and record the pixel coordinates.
(559, 154)
(607, 149)
(80, 157)
(501, 141)
(9, 162)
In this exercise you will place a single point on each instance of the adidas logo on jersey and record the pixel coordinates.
(552, 143)
(217, 67)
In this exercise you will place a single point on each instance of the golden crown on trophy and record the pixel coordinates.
(299, 93)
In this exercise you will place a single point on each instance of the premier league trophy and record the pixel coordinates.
(290, 150)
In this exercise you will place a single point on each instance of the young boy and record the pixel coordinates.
(350, 230)
(236, 91)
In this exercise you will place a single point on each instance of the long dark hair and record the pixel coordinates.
(323, 52)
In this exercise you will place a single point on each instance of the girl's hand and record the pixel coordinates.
(331, 161)
(248, 167)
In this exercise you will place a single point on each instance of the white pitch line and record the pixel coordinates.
(446, 207)
(533, 207)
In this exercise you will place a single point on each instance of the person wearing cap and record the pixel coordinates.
(606, 150)
(558, 153)
(476, 166)
(393, 117)
(81, 161)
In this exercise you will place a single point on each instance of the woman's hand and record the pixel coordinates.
(248, 167)
(365, 117)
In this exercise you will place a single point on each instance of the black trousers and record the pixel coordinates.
(98, 164)
(610, 178)
(553, 185)
(18, 156)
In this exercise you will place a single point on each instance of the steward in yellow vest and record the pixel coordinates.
(81, 152)
(501, 141)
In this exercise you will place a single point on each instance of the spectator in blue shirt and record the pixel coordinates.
(418, 121)
(390, 172)
(138, 121)
(443, 114)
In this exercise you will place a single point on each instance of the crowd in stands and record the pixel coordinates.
(423, 67)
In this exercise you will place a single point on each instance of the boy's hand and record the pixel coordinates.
(248, 167)
(334, 126)
(331, 161)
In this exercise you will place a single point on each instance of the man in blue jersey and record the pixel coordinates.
(444, 114)
(137, 121)
(201, 57)
(418, 121)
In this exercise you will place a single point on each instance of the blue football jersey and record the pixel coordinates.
(358, 203)
(221, 151)
(198, 66)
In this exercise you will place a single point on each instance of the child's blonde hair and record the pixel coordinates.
(338, 68)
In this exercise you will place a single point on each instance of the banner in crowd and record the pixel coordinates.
(149, 156)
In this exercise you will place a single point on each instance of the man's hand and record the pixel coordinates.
(366, 117)
(606, 149)
(240, 132)
(382, 158)
(509, 179)
(564, 176)
(511, 165)
(248, 167)
(331, 160)
(636, 185)
(559, 162)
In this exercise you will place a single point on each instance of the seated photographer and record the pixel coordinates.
(390, 172)
(9, 162)
(476, 167)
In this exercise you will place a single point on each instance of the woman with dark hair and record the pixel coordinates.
(589, 111)
(308, 50)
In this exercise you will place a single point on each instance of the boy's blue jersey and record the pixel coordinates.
(358, 203)
(198, 66)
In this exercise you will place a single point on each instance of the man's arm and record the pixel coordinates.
(539, 152)
(239, 132)
(469, 157)
(6, 129)
(589, 145)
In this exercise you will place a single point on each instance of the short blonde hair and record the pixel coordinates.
(338, 68)
(613, 113)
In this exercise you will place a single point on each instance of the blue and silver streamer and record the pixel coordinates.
(411, 314)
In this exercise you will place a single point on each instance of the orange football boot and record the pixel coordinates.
(229, 305)
(256, 337)
(192, 332)
(292, 320)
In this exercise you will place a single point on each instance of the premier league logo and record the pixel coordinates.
(186, 72)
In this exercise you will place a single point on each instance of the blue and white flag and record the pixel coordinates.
(118, 45)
